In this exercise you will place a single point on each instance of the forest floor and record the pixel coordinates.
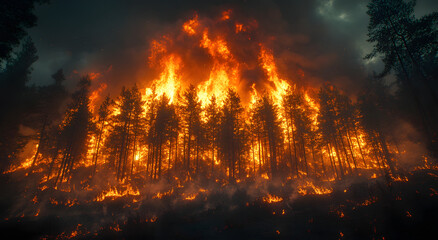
(359, 209)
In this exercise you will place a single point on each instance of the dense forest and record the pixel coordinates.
(217, 132)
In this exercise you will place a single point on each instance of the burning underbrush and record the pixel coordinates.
(354, 207)
(222, 143)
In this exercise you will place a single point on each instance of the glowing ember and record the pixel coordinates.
(160, 195)
(26, 164)
(153, 219)
(115, 193)
(368, 202)
(272, 199)
(309, 188)
(190, 26)
(190, 197)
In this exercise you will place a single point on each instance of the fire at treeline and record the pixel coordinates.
(219, 130)
(183, 133)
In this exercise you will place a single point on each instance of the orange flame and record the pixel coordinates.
(272, 199)
(190, 26)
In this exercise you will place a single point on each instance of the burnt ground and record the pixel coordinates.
(365, 209)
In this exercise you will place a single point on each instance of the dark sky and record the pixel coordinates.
(327, 39)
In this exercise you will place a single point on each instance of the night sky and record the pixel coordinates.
(327, 39)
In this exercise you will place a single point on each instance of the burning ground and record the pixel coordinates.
(357, 208)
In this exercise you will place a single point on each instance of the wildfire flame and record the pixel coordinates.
(272, 199)
(225, 69)
(309, 188)
(115, 193)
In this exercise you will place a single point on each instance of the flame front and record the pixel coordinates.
(217, 113)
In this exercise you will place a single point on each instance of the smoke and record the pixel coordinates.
(88, 37)
(411, 147)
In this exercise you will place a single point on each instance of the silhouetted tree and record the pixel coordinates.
(126, 128)
(15, 18)
(407, 44)
(267, 115)
(230, 132)
(164, 130)
(378, 121)
(74, 130)
(48, 105)
(328, 125)
(138, 126)
(299, 129)
(102, 114)
(14, 99)
(191, 123)
(212, 129)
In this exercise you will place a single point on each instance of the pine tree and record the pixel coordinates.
(163, 131)
(103, 114)
(14, 100)
(328, 126)
(406, 44)
(231, 132)
(212, 130)
(16, 17)
(266, 114)
(191, 123)
(125, 131)
(378, 121)
(48, 104)
(74, 130)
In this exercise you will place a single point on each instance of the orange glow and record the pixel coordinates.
(272, 199)
(115, 193)
(190, 197)
(95, 95)
(400, 179)
(368, 202)
(94, 75)
(153, 219)
(309, 188)
(176, 154)
(160, 195)
(26, 164)
(169, 81)
(116, 228)
(226, 14)
(268, 64)
(225, 71)
(239, 28)
(190, 26)
(265, 176)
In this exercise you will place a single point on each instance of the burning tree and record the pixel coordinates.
(206, 130)
(231, 134)
(74, 132)
(266, 114)
(185, 131)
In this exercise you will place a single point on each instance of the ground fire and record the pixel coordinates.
(219, 143)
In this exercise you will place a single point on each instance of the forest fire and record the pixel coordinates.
(218, 132)
(310, 188)
(272, 199)
(114, 193)
(173, 143)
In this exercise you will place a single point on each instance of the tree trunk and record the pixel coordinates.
(360, 148)
(42, 133)
(335, 171)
